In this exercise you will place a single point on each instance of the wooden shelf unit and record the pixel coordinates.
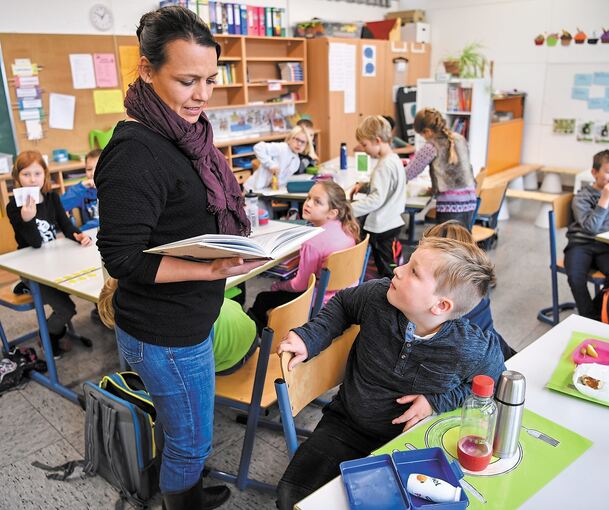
(374, 94)
(505, 138)
(256, 60)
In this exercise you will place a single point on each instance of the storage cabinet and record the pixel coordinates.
(505, 137)
(466, 106)
(256, 77)
(373, 91)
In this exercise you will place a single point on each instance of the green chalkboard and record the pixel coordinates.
(7, 138)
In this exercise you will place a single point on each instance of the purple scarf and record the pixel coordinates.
(196, 141)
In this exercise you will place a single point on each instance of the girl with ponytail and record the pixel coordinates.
(326, 206)
(452, 177)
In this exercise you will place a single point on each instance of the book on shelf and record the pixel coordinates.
(291, 71)
(459, 99)
(267, 242)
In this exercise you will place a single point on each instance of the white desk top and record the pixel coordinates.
(603, 238)
(584, 481)
(54, 262)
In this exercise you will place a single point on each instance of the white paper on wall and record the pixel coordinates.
(83, 73)
(61, 111)
(349, 78)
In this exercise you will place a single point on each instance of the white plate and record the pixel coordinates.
(596, 371)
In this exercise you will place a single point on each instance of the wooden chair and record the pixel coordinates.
(342, 269)
(551, 314)
(18, 303)
(250, 388)
(309, 380)
(488, 211)
(480, 180)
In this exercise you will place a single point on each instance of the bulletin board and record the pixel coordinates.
(51, 52)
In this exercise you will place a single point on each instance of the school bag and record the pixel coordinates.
(119, 439)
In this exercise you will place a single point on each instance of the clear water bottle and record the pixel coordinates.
(343, 156)
(251, 208)
(478, 417)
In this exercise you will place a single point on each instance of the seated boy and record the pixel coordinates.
(590, 207)
(413, 356)
(84, 195)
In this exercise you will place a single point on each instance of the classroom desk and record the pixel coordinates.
(66, 266)
(603, 238)
(583, 482)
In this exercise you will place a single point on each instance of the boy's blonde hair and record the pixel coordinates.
(451, 229)
(464, 274)
(104, 305)
(309, 150)
(373, 127)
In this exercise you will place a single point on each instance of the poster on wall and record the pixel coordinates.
(601, 132)
(584, 130)
(563, 126)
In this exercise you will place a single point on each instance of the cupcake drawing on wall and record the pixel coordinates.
(605, 36)
(539, 40)
(565, 38)
(580, 37)
(593, 39)
(552, 39)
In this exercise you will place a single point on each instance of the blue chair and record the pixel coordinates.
(307, 381)
(250, 388)
(551, 314)
(342, 269)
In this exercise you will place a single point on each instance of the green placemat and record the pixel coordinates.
(545, 450)
(562, 378)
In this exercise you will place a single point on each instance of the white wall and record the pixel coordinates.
(72, 16)
(506, 28)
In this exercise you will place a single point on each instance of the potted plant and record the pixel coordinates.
(469, 64)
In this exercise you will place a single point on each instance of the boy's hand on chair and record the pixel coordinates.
(83, 239)
(294, 344)
(418, 410)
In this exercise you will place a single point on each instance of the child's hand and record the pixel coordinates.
(28, 210)
(223, 268)
(419, 409)
(88, 183)
(354, 190)
(83, 239)
(294, 344)
(275, 170)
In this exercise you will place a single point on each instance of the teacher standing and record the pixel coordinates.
(159, 180)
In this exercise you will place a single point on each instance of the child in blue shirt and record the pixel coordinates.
(84, 195)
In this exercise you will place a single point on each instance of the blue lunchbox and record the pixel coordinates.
(379, 482)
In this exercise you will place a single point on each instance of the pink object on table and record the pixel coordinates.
(601, 348)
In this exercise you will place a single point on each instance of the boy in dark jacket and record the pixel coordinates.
(590, 207)
(413, 356)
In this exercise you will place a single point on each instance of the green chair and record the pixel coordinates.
(99, 138)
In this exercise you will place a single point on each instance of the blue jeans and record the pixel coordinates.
(181, 383)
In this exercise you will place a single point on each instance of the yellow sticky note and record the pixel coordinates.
(129, 58)
(108, 101)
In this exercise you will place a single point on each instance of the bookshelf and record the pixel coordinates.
(250, 71)
(466, 106)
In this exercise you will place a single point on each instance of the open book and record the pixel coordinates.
(271, 241)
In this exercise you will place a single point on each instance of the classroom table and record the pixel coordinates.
(583, 483)
(76, 270)
(603, 238)
(66, 266)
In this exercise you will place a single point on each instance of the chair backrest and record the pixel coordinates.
(491, 200)
(345, 266)
(99, 138)
(480, 180)
(309, 380)
(341, 270)
(291, 315)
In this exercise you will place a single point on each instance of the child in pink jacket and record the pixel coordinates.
(327, 207)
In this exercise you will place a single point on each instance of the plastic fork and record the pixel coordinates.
(541, 436)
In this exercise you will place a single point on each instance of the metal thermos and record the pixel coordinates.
(510, 406)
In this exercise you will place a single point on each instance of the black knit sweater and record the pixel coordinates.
(150, 194)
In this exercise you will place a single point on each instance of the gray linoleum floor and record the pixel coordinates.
(36, 424)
